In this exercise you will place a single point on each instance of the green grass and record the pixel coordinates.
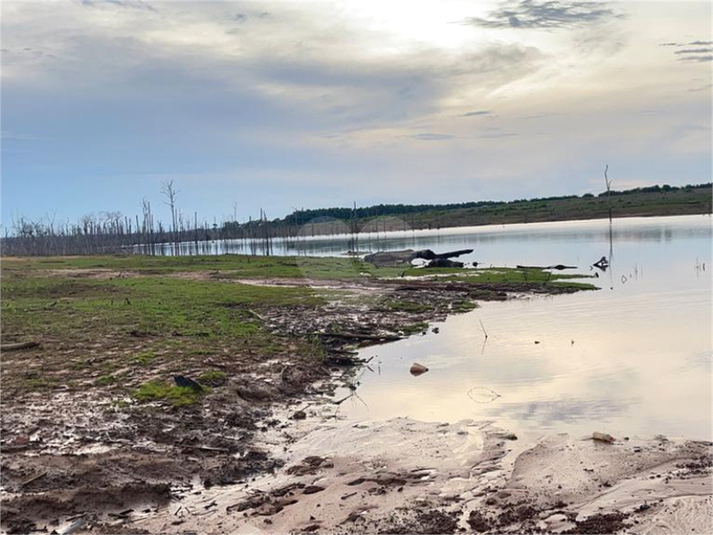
(213, 378)
(403, 305)
(230, 266)
(414, 328)
(106, 380)
(157, 305)
(144, 358)
(507, 275)
(38, 383)
(178, 396)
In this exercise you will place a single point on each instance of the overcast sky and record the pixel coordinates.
(289, 105)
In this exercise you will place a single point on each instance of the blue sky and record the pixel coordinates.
(312, 104)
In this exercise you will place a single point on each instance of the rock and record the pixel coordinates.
(418, 369)
(299, 415)
(187, 382)
(602, 437)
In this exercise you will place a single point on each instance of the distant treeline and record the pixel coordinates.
(301, 217)
(112, 232)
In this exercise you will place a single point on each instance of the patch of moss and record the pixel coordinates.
(178, 396)
(414, 328)
(144, 358)
(105, 380)
(213, 378)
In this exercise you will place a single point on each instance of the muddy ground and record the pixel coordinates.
(262, 451)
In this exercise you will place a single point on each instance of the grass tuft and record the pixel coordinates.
(178, 396)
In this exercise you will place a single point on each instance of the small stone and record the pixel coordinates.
(418, 369)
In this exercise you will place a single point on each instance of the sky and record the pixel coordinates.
(289, 105)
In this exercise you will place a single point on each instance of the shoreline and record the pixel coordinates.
(264, 437)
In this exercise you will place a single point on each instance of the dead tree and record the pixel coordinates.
(169, 190)
(608, 184)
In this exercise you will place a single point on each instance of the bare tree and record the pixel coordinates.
(170, 191)
(611, 230)
(608, 184)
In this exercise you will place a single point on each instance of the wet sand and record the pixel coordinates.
(405, 476)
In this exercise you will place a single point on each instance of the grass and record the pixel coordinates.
(506, 275)
(678, 202)
(414, 328)
(106, 380)
(213, 378)
(178, 396)
(157, 305)
(144, 358)
(212, 266)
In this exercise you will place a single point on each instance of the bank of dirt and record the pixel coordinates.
(261, 450)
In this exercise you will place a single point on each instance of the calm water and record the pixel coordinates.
(633, 358)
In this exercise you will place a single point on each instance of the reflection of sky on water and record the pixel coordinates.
(571, 241)
(632, 358)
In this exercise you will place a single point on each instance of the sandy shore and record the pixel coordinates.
(405, 476)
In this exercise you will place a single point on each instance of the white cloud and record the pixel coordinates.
(389, 92)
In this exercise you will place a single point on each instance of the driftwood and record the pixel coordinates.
(444, 262)
(33, 478)
(399, 258)
(602, 263)
(18, 346)
(205, 448)
(451, 254)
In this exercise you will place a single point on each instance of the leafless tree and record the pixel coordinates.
(608, 184)
(170, 192)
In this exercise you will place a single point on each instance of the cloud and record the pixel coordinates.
(566, 410)
(476, 113)
(694, 51)
(429, 136)
(692, 43)
(698, 59)
(696, 55)
(126, 4)
(497, 135)
(551, 14)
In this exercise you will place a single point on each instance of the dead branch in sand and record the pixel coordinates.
(482, 328)
(33, 478)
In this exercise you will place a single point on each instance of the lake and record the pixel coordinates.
(631, 359)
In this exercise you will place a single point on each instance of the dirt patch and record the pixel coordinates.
(49, 507)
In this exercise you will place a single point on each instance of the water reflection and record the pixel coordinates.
(629, 230)
(633, 358)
